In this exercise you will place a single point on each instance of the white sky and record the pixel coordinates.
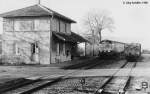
(132, 22)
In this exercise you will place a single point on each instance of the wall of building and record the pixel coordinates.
(24, 32)
(61, 51)
(58, 25)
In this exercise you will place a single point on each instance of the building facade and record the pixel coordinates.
(37, 35)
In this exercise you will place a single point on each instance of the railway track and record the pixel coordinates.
(38, 83)
(117, 84)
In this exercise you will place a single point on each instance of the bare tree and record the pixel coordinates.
(97, 21)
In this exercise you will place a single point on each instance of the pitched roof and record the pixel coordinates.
(35, 11)
(73, 37)
(78, 38)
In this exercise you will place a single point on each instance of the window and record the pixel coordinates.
(58, 49)
(65, 27)
(25, 25)
(62, 26)
(55, 25)
(8, 25)
(68, 27)
(34, 48)
(41, 24)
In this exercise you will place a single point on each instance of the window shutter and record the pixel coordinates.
(33, 48)
(64, 49)
(36, 48)
(0, 47)
(16, 49)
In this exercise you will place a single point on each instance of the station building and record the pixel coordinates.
(38, 35)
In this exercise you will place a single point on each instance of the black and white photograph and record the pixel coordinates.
(74, 46)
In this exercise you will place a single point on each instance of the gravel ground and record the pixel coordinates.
(140, 74)
(19, 90)
(110, 64)
(135, 86)
(106, 69)
(6, 79)
(74, 86)
(31, 71)
(70, 86)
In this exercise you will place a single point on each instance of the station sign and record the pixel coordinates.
(144, 85)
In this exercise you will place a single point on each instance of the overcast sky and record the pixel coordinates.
(132, 22)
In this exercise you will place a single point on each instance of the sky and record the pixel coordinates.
(132, 21)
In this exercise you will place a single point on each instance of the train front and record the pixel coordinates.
(106, 49)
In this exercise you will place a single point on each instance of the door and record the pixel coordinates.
(35, 52)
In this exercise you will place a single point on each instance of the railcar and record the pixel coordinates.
(133, 51)
(115, 49)
(111, 49)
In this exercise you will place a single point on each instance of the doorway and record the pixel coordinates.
(35, 52)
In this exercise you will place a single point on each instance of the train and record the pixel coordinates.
(133, 51)
(115, 49)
